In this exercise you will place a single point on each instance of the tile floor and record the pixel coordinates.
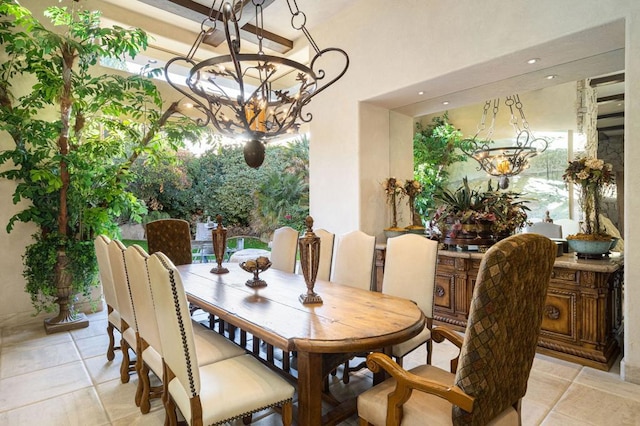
(65, 379)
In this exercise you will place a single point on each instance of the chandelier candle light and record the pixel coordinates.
(504, 162)
(244, 95)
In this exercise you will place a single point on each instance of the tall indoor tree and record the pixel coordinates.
(76, 129)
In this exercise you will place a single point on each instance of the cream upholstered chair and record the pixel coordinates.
(549, 230)
(410, 272)
(172, 237)
(353, 260)
(326, 253)
(129, 327)
(210, 346)
(284, 247)
(353, 266)
(230, 389)
(101, 244)
(490, 377)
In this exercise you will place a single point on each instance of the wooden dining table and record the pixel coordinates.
(348, 321)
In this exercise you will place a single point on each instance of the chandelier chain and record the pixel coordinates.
(259, 25)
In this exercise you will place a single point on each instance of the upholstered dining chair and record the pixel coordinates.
(284, 247)
(410, 272)
(172, 237)
(326, 253)
(353, 266)
(230, 389)
(101, 245)
(489, 378)
(129, 327)
(210, 346)
(353, 260)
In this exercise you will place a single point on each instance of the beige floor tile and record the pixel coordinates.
(34, 387)
(119, 398)
(25, 337)
(556, 367)
(79, 408)
(545, 389)
(533, 413)
(101, 370)
(608, 382)
(155, 417)
(97, 327)
(94, 346)
(16, 362)
(557, 419)
(594, 406)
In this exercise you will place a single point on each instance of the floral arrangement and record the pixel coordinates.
(589, 171)
(592, 175)
(395, 190)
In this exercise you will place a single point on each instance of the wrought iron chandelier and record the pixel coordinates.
(244, 95)
(504, 162)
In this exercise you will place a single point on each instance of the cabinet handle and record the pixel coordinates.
(552, 312)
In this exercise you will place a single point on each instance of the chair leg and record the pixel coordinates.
(126, 361)
(429, 350)
(144, 382)
(287, 413)
(110, 350)
(345, 373)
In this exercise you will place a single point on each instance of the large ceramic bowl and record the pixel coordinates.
(589, 247)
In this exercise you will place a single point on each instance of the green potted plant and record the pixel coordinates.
(75, 132)
(487, 215)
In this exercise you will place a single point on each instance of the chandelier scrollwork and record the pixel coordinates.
(252, 95)
(507, 161)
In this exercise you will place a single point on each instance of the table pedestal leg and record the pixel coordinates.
(309, 389)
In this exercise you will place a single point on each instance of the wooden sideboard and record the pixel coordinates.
(582, 319)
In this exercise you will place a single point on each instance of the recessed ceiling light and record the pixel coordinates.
(421, 93)
(445, 103)
(152, 61)
(188, 105)
(550, 76)
(533, 61)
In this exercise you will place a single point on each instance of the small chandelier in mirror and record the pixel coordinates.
(504, 161)
(252, 96)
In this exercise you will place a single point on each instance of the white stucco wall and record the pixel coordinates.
(393, 45)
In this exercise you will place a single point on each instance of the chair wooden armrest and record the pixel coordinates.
(407, 381)
(439, 333)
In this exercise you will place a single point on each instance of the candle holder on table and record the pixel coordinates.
(309, 245)
(219, 237)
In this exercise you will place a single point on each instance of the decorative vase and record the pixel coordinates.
(589, 248)
(219, 237)
(309, 245)
(393, 232)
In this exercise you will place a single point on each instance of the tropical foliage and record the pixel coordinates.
(75, 132)
(434, 148)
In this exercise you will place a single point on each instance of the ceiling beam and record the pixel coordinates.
(248, 31)
(612, 98)
(612, 115)
(609, 79)
(611, 128)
